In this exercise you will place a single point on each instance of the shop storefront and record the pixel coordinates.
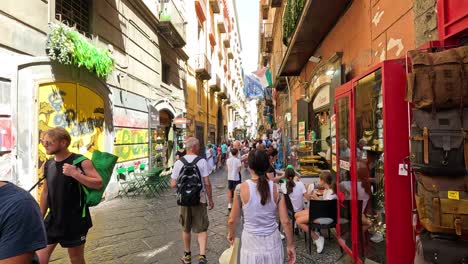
(164, 143)
(314, 111)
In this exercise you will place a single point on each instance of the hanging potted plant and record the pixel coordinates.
(66, 46)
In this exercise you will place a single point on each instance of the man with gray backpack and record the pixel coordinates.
(190, 178)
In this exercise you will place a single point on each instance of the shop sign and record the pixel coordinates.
(322, 97)
(345, 165)
(181, 121)
(153, 116)
(301, 133)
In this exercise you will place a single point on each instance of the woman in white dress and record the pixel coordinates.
(261, 201)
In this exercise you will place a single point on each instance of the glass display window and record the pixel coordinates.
(369, 165)
(344, 174)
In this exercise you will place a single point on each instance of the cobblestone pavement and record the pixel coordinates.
(139, 230)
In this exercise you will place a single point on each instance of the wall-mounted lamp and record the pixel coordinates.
(315, 59)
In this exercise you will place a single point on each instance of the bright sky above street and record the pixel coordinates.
(248, 15)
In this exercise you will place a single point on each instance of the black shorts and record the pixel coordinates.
(232, 184)
(68, 241)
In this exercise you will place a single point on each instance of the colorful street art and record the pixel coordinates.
(131, 143)
(77, 109)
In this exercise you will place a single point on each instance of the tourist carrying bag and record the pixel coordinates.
(439, 142)
(439, 79)
(104, 164)
(442, 203)
(189, 183)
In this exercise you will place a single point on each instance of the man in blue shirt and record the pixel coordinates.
(224, 153)
(21, 227)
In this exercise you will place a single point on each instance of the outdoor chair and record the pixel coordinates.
(153, 182)
(127, 182)
(322, 214)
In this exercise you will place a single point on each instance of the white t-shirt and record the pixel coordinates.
(202, 166)
(233, 164)
(329, 195)
(297, 196)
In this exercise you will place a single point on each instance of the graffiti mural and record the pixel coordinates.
(131, 143)
(131, 136)
(75, 108)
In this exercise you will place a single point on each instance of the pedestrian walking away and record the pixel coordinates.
(261, 202)
(193, 217)
(67, 218)
(21, 227)
(233, 166)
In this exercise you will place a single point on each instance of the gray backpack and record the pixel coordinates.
(439, 142)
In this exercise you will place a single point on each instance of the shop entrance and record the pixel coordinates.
(164, 140)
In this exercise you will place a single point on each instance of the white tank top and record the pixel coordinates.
(260, 219)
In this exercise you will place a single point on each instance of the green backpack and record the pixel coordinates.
(104, 164)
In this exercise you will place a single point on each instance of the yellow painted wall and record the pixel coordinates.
(193, 108)
(76, 108)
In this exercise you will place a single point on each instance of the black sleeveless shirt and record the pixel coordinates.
(66, 201)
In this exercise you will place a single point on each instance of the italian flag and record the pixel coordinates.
(264, 76)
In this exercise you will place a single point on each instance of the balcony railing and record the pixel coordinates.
(222, 94)
(215, 6)
(276, 3)
(221, 25)
(172, 24)
(202, 67)
(267, 41)
(227, 42)
(215, 83)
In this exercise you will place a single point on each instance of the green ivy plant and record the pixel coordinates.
(67, 46)
(291, 16)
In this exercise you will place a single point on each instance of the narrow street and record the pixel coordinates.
(139, 230)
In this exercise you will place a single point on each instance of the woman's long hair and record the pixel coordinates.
(258, 162)
(290, 174)
(327, 178)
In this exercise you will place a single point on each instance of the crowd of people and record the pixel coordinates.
(256, 190)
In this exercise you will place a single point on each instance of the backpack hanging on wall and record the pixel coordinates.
(442, 249)
(442, 203)
(439, 79)
(439, 142)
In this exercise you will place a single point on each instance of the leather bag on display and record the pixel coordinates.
(439, 142)
(439, 79)
(442, 203)
(443, 249)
